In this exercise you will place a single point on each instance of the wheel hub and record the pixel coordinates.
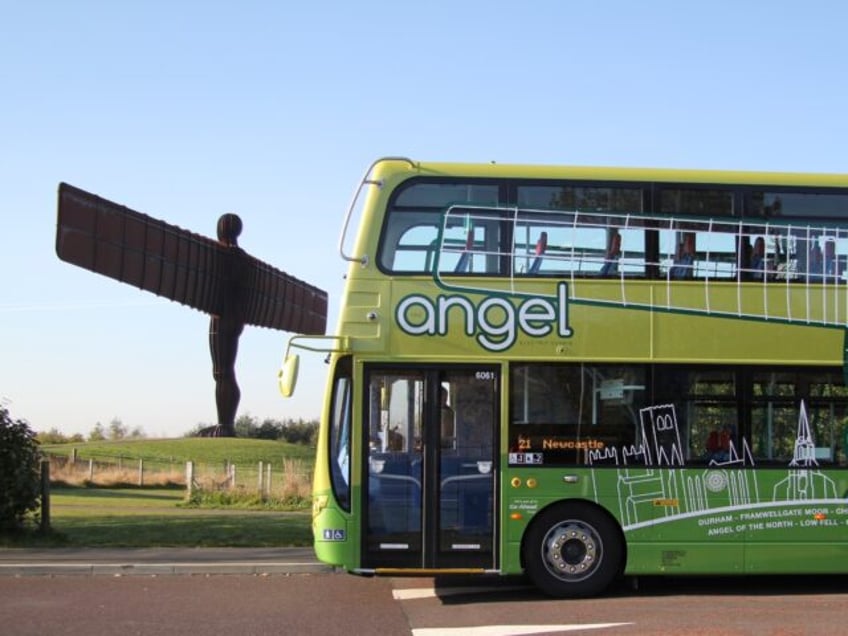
(571, 550)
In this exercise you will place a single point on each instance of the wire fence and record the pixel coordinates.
(285, 478)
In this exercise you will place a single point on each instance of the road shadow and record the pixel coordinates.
(496, 589)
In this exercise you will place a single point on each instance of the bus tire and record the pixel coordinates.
(573, 550)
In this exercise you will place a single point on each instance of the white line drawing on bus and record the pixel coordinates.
(721, 484)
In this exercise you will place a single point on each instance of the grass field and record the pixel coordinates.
(130, 517)
(97, 514)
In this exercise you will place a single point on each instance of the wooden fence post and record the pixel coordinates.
(141, 472)
(91, 470)
(45, 495)
(260, 486)
(189, 479)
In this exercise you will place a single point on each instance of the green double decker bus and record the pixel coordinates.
(584, 373)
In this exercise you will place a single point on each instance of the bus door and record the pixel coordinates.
(429, 499)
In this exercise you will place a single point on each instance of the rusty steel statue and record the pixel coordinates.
(216, 277)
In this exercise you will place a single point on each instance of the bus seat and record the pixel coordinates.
(610, 266)
(464, 263)
(541, 246)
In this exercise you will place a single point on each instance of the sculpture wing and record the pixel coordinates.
(277, 300)
(191, 269)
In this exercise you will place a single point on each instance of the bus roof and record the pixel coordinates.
(611, 173)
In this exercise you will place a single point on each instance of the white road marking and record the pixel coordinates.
(417, 593)
(414, 593)
(509, 630)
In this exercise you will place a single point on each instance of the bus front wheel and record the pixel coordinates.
(572, 550)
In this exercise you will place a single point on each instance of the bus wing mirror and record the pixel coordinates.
(287, 376)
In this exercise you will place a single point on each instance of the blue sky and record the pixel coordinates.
(186, 110)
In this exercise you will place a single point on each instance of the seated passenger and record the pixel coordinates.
(610, 266)
(758, 258)
(395, 440)
(684, 261)
(718, 444)
(831, 269)
(815, 262)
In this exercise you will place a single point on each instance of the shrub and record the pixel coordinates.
(20, 471)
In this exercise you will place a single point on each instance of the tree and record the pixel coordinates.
(97, 434)
(55, 436)
(117, 429)
(269, 429)
(246, 426)
(20, 471)
(137, 433)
